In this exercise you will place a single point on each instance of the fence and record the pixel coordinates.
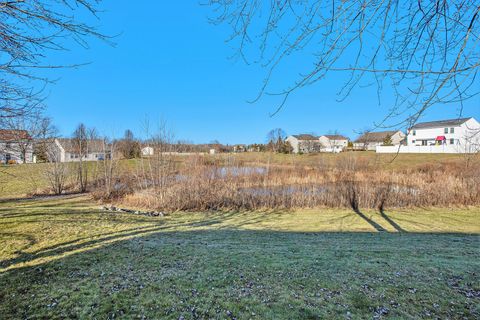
(446, 148)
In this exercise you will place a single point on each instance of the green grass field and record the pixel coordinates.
(21, 180)
(387, 161)
(64, 258)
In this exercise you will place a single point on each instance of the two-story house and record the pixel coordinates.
(462, 134)
(371, 140)
(304, 143)
(333, 143)
(16, 146)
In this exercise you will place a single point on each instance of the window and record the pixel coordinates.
(445, 130)
(414, 132)
(424, 142)
(452, 130)
(71, 156)
(413, 141)
(8, 145)
(452, 141)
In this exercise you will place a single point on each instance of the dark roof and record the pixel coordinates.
(335, 137)
(14, 135)
(305, 137)
(441, 123)
(96, 145)
(375, 136)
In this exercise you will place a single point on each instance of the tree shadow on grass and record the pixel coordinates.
(395, 225)
(217, 221)
(97, 240)
(65, 196)
(223, 268)
(375, 225)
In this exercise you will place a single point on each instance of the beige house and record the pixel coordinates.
(66, 150)
(333, 143)
(304, 143)
(371, 140)
(239, 148)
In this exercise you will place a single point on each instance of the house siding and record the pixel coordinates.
(396, 138)
(11, 151)
(333, 145)
(59, 154)
(464, 138)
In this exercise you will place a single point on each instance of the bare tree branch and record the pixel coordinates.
(427, 52)
(29, 29)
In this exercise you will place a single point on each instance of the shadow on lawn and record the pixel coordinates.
(65, 196)
(218, 220)
(93, 241)
(376, 225)
(395, 225)
(25, 255)
(170, 264)
(223, 233)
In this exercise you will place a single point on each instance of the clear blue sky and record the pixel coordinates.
(169, 63)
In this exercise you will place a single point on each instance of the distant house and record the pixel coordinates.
(333, 143)
(239, 148)
(459, 132)
(371, 140)
(16, 146)
(304, 143)
(66, 150)
(254, 148)
(147, 151)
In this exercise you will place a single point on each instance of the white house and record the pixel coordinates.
(444, 136)
(239, 148)
(304, 143)
(460, 132)
(147, 151)
(371, 140)
(66, 150)
(16, 146)
(333, 143)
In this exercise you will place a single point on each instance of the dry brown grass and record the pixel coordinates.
(351, 181)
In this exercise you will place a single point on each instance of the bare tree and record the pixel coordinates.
(276, 139)
(83, 137)
(44, 136)
(427, 51)
(109, 168)
(57, 173)
(157, 171)
(29, 29)
(27, 130)
(129, 146)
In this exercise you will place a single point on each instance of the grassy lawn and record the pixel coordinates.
(25, 179)
(63, 258)
(386, 161)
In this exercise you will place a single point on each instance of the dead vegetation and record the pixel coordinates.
(204, 184)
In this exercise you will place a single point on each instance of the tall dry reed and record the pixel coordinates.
(201, 184)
